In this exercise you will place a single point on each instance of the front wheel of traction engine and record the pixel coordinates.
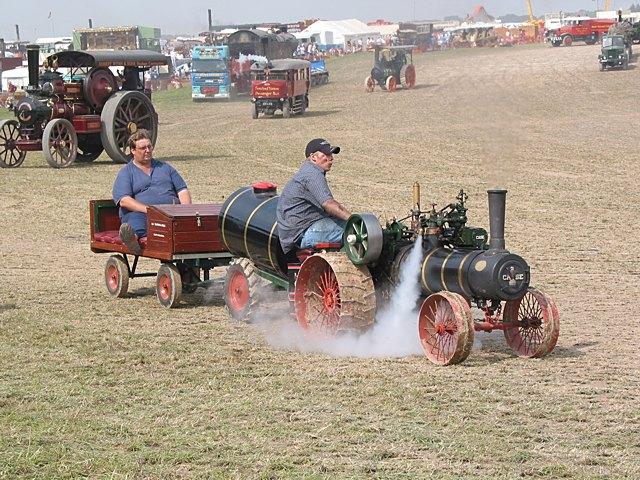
(168, 285)
(534, 324)
(123, 114)
(369, 84)
(445, 328)
(332, 295)
(116, 276)
(59, 143)
(241, 289)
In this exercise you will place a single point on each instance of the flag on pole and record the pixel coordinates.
(49, 15)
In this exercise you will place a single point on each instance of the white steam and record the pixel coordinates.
(394, 334)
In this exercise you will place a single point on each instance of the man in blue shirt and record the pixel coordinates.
(141, 182)
(307, 213)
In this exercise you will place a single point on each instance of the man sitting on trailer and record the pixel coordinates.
(141, 182)
(307, 213)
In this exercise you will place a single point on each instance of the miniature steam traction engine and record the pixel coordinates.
(392, 66)
(78, 113)
(333, 289)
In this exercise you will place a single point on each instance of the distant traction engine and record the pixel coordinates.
(81, 112)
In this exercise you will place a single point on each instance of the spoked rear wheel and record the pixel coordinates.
(333, 295)
(408, 76)
(445, 328)
(10, 156)
(125, 113)
(535, 324)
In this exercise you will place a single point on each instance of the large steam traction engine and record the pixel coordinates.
(78, 113)
(334, 289)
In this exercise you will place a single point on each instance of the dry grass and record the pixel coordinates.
(97, 387)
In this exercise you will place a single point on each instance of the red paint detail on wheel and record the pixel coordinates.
(113, 278)
(317, 297)
(238, 293)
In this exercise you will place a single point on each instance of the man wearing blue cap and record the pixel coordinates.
(307, 212)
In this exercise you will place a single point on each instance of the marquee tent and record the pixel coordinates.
(329, 34)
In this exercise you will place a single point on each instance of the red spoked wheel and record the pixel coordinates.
(116, 276)
(241, 289)
(535, 324)
(391, 83)
(333, 295)
(567, 41)
(445, 328)
(168, 285)
(369, 84)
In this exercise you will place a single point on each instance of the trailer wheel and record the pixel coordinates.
(286, 109)
(59, 143)
(116, 276)
(445, 328)
(10, 155)
(254, 111)
(241, 289)
(567, 40)
(332, 295)
(168, 285)
(535, 324)
(125, 113)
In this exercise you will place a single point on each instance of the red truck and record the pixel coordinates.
(588, 31)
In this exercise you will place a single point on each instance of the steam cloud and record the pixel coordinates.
(394, 334)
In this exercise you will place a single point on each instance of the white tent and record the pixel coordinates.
(18, 76)
(336, 33)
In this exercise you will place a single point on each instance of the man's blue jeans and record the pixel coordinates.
(324, 230)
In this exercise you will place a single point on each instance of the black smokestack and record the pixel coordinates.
(90, 23)
(33, 62)
(210, 22)
(2, 47)
(497, 209)
(17, 32)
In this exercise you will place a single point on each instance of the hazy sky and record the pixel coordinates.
(190, 16)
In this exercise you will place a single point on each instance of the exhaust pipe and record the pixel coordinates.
(497, 210)
(33, 62)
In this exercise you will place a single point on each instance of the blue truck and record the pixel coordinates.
(211, 73)
(319, 73)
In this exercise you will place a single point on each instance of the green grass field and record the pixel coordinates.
(97, 387)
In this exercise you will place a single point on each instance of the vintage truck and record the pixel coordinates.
(584, 30)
